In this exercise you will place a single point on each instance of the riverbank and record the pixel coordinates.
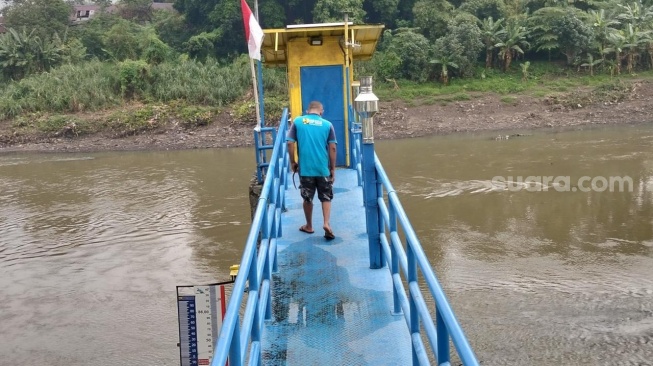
(623, 102)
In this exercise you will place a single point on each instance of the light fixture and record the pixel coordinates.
(315, 41)
(366, 105)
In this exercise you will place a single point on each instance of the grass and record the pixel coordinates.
(544, 79)
(88, 97)
(184, 92)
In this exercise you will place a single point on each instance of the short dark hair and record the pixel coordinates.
(315, 106)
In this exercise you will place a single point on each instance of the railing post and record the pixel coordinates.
(257, 150)
(366, 104)
(371, 206)
(394, 267)
(412, 278)
(443, 337)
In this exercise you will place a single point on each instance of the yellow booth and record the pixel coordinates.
(319, 61)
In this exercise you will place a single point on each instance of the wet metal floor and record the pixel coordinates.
(329, 307)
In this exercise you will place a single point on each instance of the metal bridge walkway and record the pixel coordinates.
(328, 306)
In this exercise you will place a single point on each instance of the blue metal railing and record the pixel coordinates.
(237, 336)
(261, 148)
(409, 262)
(256, 266)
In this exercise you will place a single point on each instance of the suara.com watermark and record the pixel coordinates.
(563, 183)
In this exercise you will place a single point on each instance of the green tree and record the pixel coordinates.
(154, 50)
(136, 10)
(122, 41)
(219, 22)
(331, 11)
(171, 28)
(201, 46)
(382, 11)
(228, 30)
(483, 9)
(405, 9)
(541, 31)
(574, 36)
(272, 14)
(45, 17)
(92, 34)
(197, 13)
(461, 45)
(413, 50)
(298, 11)
(385, 65)
(432, 17)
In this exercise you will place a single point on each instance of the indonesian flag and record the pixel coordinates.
(253, 32)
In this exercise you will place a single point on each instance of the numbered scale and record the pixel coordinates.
(200, 310)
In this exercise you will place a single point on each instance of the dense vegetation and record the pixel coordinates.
(195, 56)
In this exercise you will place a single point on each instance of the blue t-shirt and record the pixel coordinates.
(313, 135)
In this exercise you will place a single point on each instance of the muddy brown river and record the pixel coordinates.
(545, 258)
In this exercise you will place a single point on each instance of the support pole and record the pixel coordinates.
(370, 179)
(366, 104)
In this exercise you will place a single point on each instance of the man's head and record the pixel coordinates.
(315, 107)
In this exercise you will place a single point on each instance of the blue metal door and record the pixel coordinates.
(324, 84)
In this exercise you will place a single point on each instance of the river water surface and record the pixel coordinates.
(93, 245)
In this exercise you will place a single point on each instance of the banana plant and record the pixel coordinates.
(513, 40)
(617, 45)
(590, 63)
(603, 24)
(491, 32)
(446, 63)
(634, 39)
(635, 13)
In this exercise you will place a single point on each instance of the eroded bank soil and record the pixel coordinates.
(483, 112)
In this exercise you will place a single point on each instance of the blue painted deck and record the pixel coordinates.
(328, 306)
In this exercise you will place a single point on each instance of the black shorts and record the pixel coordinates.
(324, 186)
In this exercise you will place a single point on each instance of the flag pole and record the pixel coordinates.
(256, 101)
(254, 35)
(258, 89)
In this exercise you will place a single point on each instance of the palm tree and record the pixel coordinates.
(491, 32)
(512, 42)
(446, 63)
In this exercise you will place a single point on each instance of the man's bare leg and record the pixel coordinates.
(326, 212)
(308, 213)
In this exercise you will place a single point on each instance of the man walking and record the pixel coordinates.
(315, 140)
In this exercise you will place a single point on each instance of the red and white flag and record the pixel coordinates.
(253, 32)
